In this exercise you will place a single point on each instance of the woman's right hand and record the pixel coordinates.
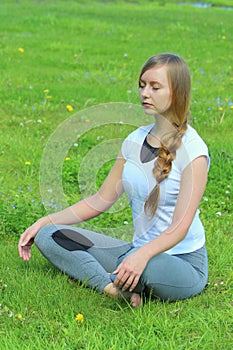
(27, 239)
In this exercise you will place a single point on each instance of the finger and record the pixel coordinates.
(25, 238)
(128, 283)
(121, 278)
(117, 269)
(134, 284)
(20, 248)
(26, 253)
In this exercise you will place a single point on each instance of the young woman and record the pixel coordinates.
(163, 169)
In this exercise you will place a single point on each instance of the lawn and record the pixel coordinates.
(68, 90)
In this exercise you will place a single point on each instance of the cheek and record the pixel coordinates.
(169, 99)
(140, 95)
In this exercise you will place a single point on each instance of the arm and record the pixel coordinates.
(84, 210)
(192, 187)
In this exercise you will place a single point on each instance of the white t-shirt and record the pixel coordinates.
(138, 181)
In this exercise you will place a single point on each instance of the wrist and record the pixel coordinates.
(146, 252)
(43, 221)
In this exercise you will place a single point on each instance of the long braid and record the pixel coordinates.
(163, 164)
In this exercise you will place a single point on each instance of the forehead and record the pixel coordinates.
(156, 74)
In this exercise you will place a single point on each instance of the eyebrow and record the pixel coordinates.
(153, 82)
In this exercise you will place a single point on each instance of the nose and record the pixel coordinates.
(145, 91)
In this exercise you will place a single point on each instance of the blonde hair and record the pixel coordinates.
(180, 85)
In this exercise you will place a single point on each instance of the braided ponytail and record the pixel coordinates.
(180, 84)
(163, 165)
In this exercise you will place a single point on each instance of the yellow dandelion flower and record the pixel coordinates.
(67, 158)
(220, 108)
(79, 318)
(27, 163)
(224, 37)
(231, 107)
(46, 91)
(69, 108)
(48, 97)
(21, 49)
(20, 317)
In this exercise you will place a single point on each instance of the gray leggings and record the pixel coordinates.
(89, 257)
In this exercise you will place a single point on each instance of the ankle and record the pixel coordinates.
(111, 290)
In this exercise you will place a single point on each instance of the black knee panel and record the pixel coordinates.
(71, 240)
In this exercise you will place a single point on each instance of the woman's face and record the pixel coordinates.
(155, 92)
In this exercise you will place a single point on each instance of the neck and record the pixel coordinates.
(161, 127)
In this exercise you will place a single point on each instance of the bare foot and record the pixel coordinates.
(135, 300)
(111, 290)
(114, 292)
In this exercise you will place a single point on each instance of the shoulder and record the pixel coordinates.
(191, 134)
(193, 146)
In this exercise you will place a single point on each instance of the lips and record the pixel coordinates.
(147, 104)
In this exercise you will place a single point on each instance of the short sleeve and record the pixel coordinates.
(191, 148)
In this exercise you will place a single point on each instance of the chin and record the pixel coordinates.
(149, 111)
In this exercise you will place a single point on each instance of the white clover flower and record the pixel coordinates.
(219, 213)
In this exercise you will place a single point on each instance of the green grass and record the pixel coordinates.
(88, 54)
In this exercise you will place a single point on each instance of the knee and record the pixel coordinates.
(44, 234)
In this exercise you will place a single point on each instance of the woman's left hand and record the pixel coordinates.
(129, 271)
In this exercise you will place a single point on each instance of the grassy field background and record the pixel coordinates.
(58, 58)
